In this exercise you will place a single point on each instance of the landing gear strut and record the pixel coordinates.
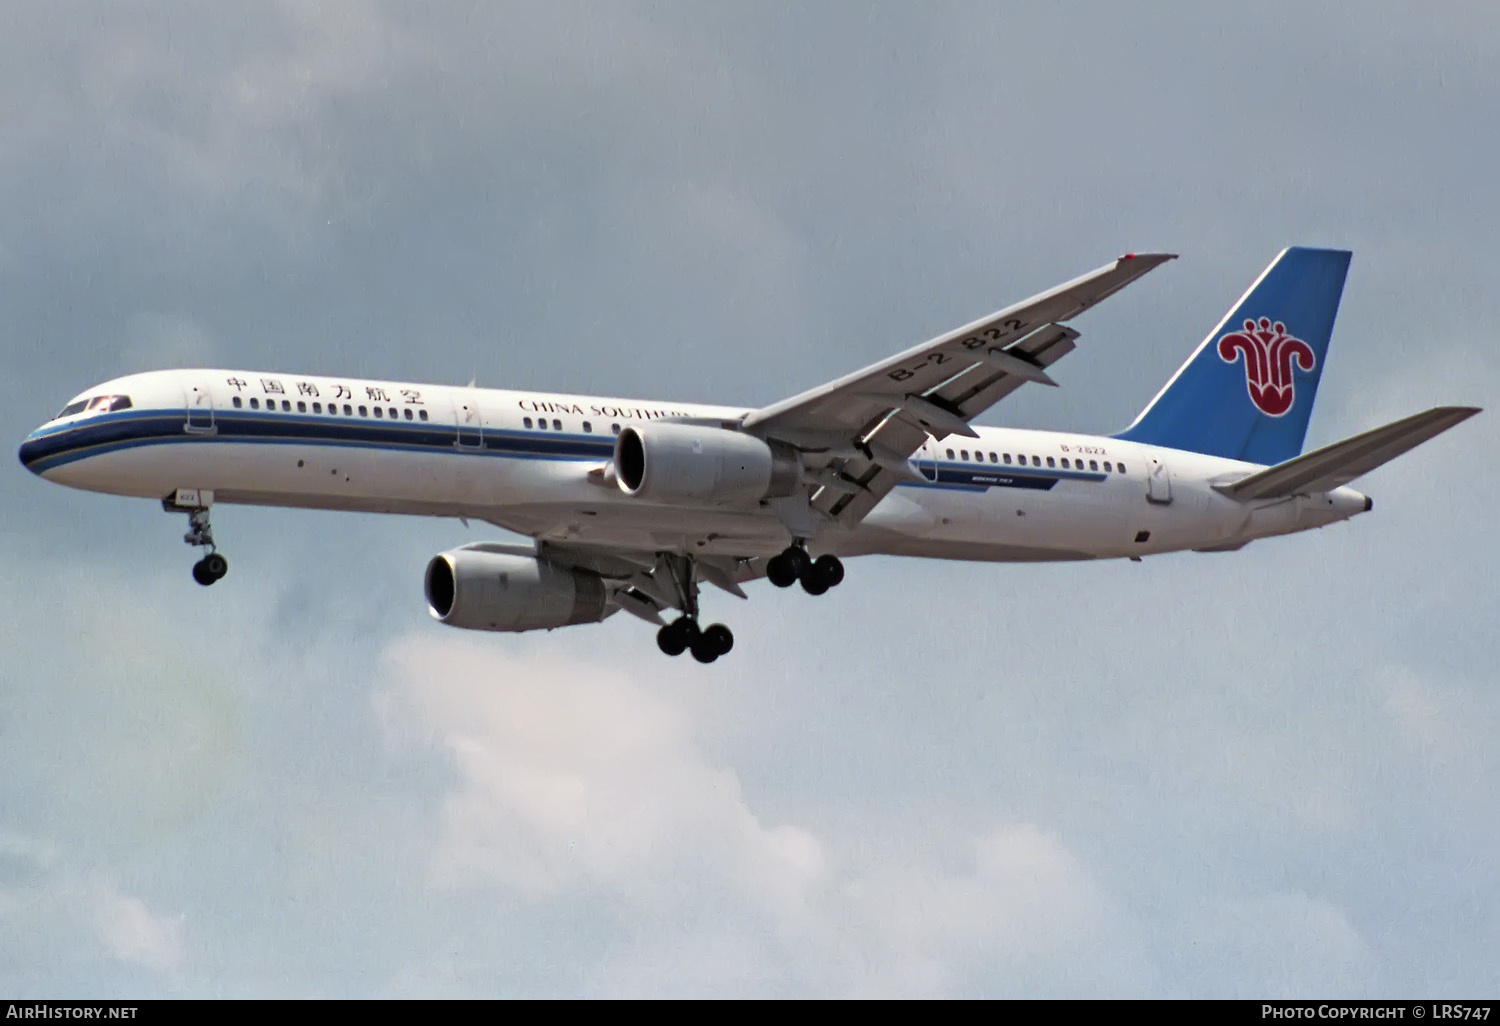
(200, 533)
(794, 564)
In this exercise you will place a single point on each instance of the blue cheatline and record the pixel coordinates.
(57, 446)
(47, 449)
(1247, 391)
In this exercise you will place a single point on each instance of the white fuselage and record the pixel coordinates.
(522, 460)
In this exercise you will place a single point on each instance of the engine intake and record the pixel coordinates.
(684, 464)
(502, 588)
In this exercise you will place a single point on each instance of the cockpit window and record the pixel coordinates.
(95, 404)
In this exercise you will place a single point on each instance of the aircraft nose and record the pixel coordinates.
(31, 451)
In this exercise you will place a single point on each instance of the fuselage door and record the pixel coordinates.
(1158, 482)
(200, 411)
(470, 423)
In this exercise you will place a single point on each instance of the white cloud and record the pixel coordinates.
(575, 778)
(134, 934)
(570, 771)
(55, 916)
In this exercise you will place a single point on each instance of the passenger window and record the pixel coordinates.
(964, 453)
(378, 412)
(391, 411)
(1065, 464)
(407, 410)
(348, 410)
(950, 454)
(994, 458)
(301, 406)
(614, 429)
(286, 405)
(237, 403)
(254, 403)
(526, 422)
(422, 414)
(1050, 463)
(363, 412)
(588, 428)
(557, 425)
(1007, 457)
(1036, 461)
(1122, 468)
(541, 423)
(1108, 469)
(1093, 464)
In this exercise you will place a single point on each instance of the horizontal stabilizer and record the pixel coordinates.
(1337, 464)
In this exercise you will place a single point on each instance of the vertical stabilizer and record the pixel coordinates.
(1247, 391)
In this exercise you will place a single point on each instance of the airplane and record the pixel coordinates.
(633, 504)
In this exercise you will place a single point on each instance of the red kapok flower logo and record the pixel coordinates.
(1269, 353)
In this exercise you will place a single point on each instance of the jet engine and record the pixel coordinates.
(503, 588)
(684, 464)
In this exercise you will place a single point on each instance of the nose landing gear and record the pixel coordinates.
(200, 533)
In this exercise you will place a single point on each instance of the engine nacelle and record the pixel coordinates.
(499, 588)
(683, 464)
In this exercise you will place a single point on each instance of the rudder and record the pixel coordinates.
(1247, 391)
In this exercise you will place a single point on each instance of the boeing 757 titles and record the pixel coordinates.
(634, 504)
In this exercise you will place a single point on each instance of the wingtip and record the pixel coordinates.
(1157, 258)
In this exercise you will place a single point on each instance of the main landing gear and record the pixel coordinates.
(683, 634)
(678, 577)
(200, 533)
(794, 564)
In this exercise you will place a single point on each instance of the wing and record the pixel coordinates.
(858, 433)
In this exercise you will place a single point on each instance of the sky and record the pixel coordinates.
(1263, 774)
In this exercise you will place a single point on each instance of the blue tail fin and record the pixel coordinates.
(1247, 391)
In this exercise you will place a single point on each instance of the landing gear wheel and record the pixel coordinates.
(704, 650)
(720, 637)
(201, 574)
(784, 568)
(677, 636)
(215, 565)
(781, 571)
(830, 570)
(821, 574)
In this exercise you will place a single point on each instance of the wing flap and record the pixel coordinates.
(970, 393)
(1334, 465)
